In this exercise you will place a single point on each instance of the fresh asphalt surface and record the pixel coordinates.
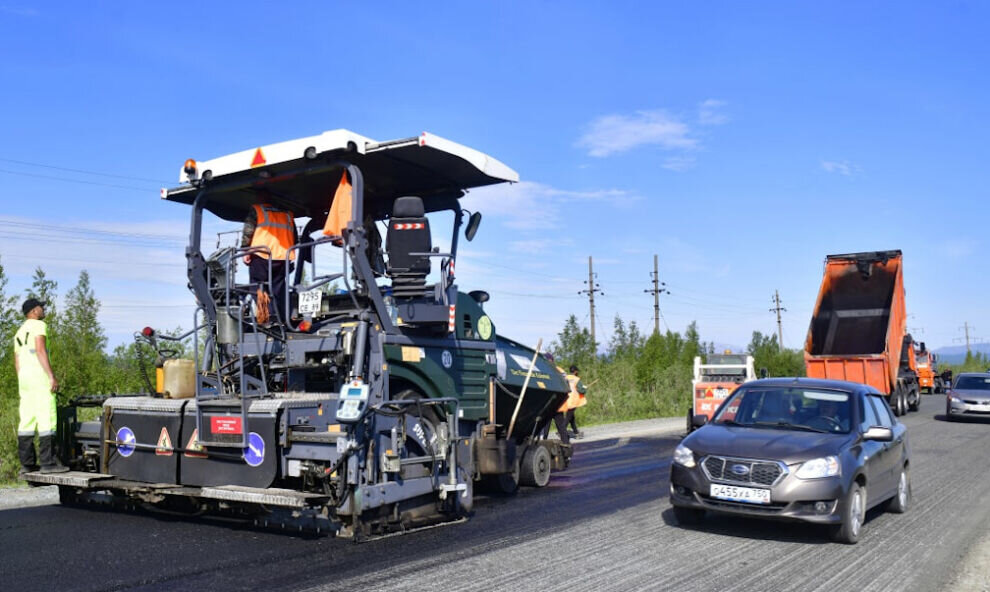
(605, 524)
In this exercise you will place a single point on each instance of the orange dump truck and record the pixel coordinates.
(858, 328)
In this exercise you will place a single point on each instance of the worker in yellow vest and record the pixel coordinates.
(275, 229)
(575, 399)
(36, 385)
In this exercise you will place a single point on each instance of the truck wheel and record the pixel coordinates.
(534, 470)
(914, 398)
(690, 424)
(508, 483)
(895, 402)
(853, 514)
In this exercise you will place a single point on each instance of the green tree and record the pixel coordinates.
(768, 354)
(9, 415)
(82, 363)
(573, 345)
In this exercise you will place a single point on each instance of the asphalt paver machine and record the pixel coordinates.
(378, 397)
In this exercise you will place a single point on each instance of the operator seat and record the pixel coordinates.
(408, 232)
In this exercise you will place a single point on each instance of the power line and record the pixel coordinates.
(90, 231)
(82, 171)
(81, 181)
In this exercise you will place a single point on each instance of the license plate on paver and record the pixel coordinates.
(309, 302)
(750, 495)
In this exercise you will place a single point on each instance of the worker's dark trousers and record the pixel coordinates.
(571, 421)
(258, 274)
(25, 452)
(560, 420)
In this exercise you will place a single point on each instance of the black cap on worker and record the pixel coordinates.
(573, 369)
(30, 304)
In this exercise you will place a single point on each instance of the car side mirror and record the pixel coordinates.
(698, 420)
(879, 434)
(472, 226)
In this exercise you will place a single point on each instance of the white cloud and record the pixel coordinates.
(611, 134)
(19, 11)
(615, 133)
(678, 163)
(957, 248)
(840, 167)
(710, 112)
(534, 206)
(537, 246)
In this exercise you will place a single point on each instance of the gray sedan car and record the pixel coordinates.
(820, 451)
(969, 395)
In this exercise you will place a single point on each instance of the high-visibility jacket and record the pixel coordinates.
(576, 397)
(340, 209)
(275, 230)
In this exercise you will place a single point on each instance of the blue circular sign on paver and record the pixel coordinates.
(125, 441)
(254, 454)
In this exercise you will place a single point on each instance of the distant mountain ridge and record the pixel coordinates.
(956, 354)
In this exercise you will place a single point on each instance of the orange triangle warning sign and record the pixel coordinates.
(194, 449)
(164, 447)
(259, 158)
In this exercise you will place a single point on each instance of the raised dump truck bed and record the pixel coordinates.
(858, 328)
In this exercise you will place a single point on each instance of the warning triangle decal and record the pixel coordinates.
(164, 444)
(259, 158)
(194, 449)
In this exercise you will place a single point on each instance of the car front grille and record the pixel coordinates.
(973, 402)
(743, 471)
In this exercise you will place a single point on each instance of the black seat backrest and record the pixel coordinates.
(408, 232)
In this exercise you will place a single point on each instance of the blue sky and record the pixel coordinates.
(740, 142)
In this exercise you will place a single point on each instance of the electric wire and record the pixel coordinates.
(82, 171)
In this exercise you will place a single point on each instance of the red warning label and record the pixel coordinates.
(164, 447)
(259, 158)
(193, 448)
(226, 425)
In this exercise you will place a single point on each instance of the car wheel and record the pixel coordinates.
(688, 516)
(899, 503)
(948, 413)
(853, 515)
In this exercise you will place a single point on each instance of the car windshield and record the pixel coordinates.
(973, 383)
(788, 407)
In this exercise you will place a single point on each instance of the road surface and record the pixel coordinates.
(605, 524)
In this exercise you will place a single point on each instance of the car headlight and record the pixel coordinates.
(684, 456)
(819, 468)
(955, 397)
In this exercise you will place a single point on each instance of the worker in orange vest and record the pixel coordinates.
(575, 399)
(275, 229)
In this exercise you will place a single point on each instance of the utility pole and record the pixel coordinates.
(965, 327)
(777, 308)
(590, 291)
(658, 289)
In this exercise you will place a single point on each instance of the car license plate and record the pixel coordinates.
(309, 302)
(750, 495)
